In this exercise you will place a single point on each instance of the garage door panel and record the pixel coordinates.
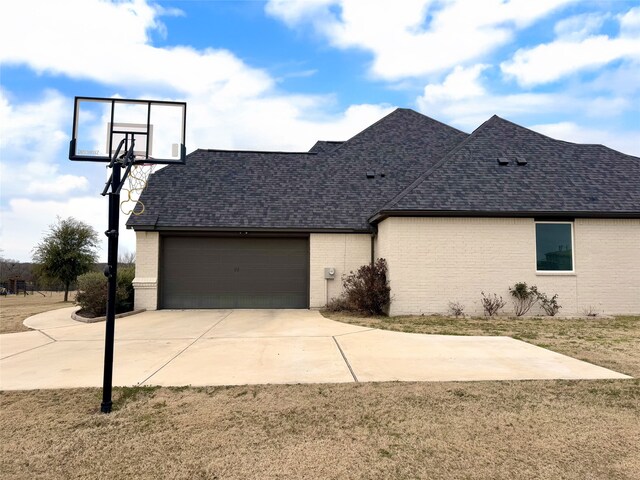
(208, 272)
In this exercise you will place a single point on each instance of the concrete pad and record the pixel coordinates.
(279, 323)
(240, 361)
(14, 343)
(80, 364)
(153, 325)
(52, 319)
(379, 355)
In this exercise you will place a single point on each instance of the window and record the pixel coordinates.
(554, 247)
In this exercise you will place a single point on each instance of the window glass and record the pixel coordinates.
(553, 247)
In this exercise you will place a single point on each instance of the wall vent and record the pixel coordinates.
(371, 175)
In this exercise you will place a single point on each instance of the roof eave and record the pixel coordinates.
(155, 228)
(383, 214)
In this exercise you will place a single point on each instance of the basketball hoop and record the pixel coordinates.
(139, 135)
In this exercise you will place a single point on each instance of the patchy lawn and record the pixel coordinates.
(609, 342)
(14, 309)
(480, 430)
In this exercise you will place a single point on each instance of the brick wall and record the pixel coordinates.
(147, 259)
(344, 252)
(433, 261)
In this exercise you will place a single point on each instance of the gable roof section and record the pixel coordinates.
(321, 191)
(558, 178)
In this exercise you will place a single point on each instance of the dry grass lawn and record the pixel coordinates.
(454, 430)
(483, 430)
(14, 309)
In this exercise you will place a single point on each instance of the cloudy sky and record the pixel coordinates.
(283, 73)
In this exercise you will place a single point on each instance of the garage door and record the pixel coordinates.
(207, 272)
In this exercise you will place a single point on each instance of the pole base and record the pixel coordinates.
(105, 407)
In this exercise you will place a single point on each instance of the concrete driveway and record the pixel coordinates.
(231, 347)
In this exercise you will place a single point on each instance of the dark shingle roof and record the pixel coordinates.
(330, 190)
(558, 177)
(324, 146)
(404, 164)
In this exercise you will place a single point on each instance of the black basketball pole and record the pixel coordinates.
(111, 272)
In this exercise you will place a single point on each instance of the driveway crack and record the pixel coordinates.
(344, 357)
(185, 348)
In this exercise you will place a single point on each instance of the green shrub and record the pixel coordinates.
(92, 294)
(124, 297)
(367, 290)
(524, 297)
(93, 289)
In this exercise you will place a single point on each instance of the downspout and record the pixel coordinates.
(373, 238)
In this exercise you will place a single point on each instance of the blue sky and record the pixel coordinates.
(283, 73)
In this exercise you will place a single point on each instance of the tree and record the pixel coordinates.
(127, 259)
(67, 251)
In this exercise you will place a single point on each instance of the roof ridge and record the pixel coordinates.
(346, 142)
(275, 152)
(545, 135)
(423, 176)
(433, 120)
(395, 111)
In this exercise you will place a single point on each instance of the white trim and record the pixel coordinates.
(571, 272)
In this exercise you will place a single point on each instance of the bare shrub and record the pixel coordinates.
(456, 309)
(549, 305)
(337, 304)
(590, 311)
(524, 297)
(492, 304)
(367, 290)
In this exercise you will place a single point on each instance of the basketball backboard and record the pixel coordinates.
(156, 127)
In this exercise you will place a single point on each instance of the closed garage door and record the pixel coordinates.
(207, 272)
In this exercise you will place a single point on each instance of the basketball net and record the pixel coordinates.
(135, 184)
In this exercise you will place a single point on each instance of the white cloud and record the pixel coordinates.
(572, 53)
(32, 141)
(626, 142)
(463, 100)
(579, 27)
(61, 185)
(417, 37)
(461, 83)
(109, 43)
(25, 221)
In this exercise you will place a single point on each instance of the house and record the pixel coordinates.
(453, 213)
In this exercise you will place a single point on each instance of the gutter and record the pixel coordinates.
(382, 214)
(244, 230)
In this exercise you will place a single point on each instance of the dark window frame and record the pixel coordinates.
(573, 253)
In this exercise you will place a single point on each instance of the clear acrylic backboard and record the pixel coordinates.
(156, 127)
